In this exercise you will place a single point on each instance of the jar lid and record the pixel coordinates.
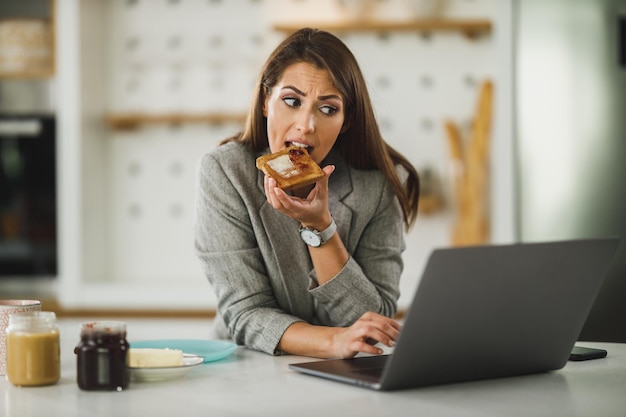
(19, 303)
(32, 317)
(105, 327)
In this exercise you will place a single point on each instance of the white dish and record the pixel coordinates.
(165, 373)
(210, 350)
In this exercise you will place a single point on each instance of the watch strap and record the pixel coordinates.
(323, 236)
(327, 233)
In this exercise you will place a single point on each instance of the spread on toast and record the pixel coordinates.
(292, 167)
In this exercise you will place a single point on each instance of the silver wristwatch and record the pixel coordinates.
(316, 239)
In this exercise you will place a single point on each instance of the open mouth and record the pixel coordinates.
(299, 145)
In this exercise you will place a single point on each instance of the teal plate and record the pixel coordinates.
(210, 350)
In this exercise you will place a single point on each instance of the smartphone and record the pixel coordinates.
(580, 353)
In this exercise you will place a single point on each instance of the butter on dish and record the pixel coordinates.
(154, 358)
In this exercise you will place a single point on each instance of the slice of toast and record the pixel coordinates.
(291, 168)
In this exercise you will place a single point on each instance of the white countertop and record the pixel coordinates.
(250, 383)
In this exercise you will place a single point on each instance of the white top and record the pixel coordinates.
(257, 384)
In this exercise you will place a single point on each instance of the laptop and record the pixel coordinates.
(485, 312)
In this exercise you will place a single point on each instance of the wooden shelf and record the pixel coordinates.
(28, 75)
(470, 27)
(124, 121)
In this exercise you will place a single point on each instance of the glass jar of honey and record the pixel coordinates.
(33, 349)
(101, 356)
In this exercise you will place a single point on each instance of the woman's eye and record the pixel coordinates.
(291, 102)
(328, 110)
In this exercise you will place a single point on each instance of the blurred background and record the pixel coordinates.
(511, 110)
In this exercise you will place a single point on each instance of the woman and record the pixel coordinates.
(275, 293)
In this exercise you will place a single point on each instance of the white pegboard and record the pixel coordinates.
(204, 55)
(153, 183)
(184, 55)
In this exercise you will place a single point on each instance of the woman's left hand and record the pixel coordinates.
(362, 336)
(371, 328)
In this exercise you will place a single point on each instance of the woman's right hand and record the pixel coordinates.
(310, 210)
(364, 334)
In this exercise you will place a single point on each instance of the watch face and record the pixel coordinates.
(310, 238)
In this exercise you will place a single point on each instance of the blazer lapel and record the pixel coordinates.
(339, 186)
(289, 276)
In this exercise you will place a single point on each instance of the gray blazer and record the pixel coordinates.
(261, 270)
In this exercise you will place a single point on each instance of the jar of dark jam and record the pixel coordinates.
(101, 356)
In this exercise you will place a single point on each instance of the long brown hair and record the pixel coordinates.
(361, 144)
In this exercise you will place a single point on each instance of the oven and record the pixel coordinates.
(28, 196)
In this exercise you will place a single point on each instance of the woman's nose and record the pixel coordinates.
(306, 122)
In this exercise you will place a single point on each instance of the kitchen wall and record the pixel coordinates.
(571, 169)
(127, 195)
